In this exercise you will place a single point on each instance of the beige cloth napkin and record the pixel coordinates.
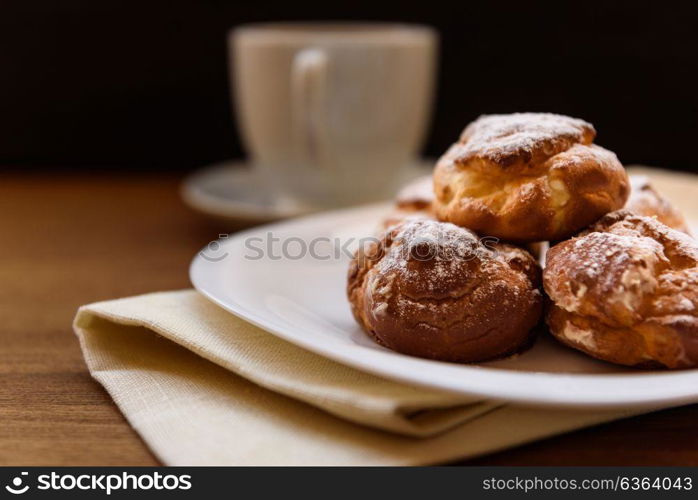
(203, 387)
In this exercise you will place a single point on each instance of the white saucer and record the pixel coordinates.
(231, 190)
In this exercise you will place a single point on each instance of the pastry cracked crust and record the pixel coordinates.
(436, 290)
(626, 291)
(528, 177)
(645, 200)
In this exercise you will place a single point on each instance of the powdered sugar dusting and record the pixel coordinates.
(625, 268)
(499, 137)
(433, 252)
(428, 265)
(619, 267)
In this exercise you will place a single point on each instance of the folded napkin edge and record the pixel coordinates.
(409, 419)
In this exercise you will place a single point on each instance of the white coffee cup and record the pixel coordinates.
(332, 114)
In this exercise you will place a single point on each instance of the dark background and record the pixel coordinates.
(112, 83)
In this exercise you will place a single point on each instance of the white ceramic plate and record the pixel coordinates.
(302, 300)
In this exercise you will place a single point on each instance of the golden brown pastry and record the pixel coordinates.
(528, 177)
(417, 195)
(626, 291)
(414, 201)
(435, 290)
(645, 200)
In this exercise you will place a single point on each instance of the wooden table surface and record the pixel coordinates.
(71, 239)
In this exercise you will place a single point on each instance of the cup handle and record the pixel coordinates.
(308, 97)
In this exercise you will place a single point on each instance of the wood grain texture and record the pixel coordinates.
(67, 240)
